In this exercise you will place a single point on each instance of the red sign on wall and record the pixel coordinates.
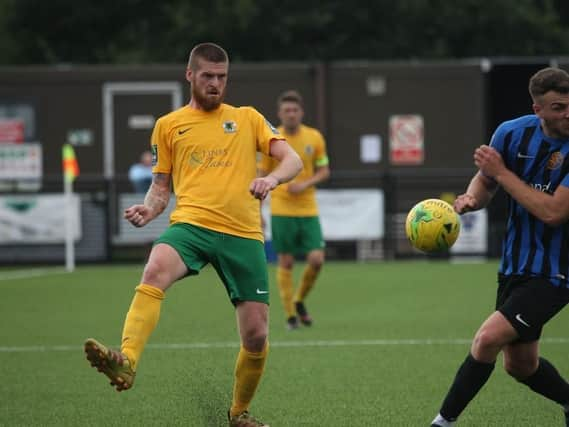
(406, 140)
(11, 130)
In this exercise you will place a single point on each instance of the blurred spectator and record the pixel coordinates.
(140, 174)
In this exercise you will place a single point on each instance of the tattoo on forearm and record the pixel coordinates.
(158, 194)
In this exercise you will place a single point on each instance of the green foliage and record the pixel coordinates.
(144, 31)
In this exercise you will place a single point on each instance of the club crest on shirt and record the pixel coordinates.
(555, 160)
(229, 126)
(308, 149)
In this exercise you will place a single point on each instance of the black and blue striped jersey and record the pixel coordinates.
(530, 246)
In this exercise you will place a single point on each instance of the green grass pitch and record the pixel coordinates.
(385, 345)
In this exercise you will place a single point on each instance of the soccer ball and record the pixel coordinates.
(432, 225)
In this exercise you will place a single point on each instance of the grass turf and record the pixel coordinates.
(367, 361)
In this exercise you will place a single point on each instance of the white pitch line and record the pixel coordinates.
(284, 344)
(26, 274)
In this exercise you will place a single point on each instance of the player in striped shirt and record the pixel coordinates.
(529, 158)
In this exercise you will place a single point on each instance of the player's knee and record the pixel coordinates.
(316, 263)
(519, 369)
(255, 344)
(316, 260)
(286, 262)
(485, 340)
(155, 274)
(254, 339)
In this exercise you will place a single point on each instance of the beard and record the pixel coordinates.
(208, 102)
(557, 129)
(291, 125)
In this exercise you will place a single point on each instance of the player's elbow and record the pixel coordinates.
(297, 163)
(552, 215)
(554, 219)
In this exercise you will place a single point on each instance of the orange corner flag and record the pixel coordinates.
(70, 165)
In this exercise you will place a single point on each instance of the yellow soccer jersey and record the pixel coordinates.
(310, 146)
(211, 157)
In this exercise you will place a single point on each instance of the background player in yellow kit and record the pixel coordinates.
(295, 225)
(207, 150)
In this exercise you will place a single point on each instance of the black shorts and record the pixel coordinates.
(528, 303)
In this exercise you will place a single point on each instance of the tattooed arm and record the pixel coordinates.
(158, 194)
(155, 202)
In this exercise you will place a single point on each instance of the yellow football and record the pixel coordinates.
(432, 225)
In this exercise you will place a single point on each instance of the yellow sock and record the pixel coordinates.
(248, 371)
(306, 283)
(140, 321)
(284, 281)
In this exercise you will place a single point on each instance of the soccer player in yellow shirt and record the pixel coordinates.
(295, 226)
(207, 151)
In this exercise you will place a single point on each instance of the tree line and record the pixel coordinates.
(150, 31)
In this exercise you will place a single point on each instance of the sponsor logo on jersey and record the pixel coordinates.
(154, 150)
(213, 158)
(542, 187)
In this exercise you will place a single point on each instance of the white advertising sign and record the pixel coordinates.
(37, 219)
(20, 161)
(345, 214)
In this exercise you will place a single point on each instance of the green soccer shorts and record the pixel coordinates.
(240, 263)
(296, 235)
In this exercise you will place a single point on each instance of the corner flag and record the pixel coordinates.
(70, 165)
(70, 172)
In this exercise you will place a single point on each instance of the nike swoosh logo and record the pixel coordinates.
(260, 292)
(522, 321)
(181, 132)
(525, 156)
